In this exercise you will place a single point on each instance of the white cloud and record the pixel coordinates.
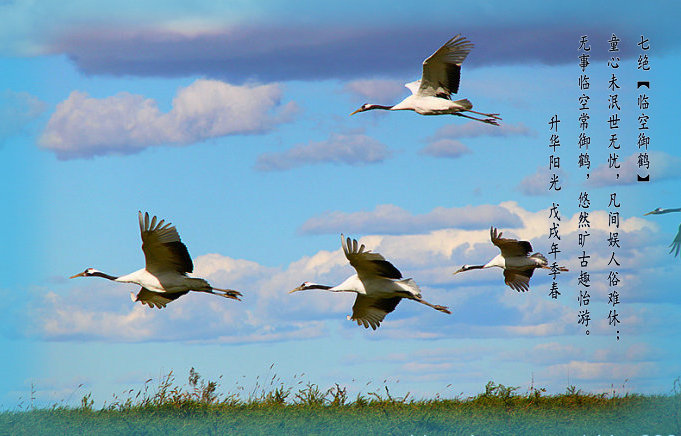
(388, 218)
(662, 166)
(83, 126)
(17, 109)
(349, 149)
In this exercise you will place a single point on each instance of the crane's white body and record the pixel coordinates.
(378, 284)
(165, 282)
(515, 262)
(378, 287)
(430, 105)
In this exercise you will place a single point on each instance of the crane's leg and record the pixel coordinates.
(227, 293)
(444, 309)
(491, 121)
(560, 268)
(487, 115)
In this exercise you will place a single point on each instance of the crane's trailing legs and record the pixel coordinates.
(560, 268)
(227, 293)
(492, 118)
(444, 309)
(496, 116)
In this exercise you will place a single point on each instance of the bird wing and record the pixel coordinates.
(518, 280)
(676, 243)
(369, 311)
(367, 263)
(156, 299)
(413, 86)
(162, 247)
(442, 70)
(509, 247)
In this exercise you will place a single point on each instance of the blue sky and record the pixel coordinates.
(232, 122)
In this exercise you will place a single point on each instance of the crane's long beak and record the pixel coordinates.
(458, 271)
(299, 288)
(358, 110)
(78, 275)
(648, 213)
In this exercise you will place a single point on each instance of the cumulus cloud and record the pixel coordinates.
(388, 218)
(17, 109)
(348, 149)
(83, 126)
(662, 166)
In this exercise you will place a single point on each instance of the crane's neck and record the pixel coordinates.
(317, 286)
(103, 275)
(378, 106)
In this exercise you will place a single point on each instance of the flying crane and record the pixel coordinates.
(440, 79)
(378, 284)
(164, 278)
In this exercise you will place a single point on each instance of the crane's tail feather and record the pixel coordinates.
(410, 286)
(541, 258)
(464, 103)
(544, 263)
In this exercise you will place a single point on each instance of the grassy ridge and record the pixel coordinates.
(311, 410)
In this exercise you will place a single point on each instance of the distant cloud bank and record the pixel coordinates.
(277, 52)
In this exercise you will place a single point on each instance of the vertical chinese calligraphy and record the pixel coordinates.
(643, 103)
(613, 278)
(583, 201)
(613, 275)
(554, 214)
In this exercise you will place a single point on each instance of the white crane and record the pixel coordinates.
(164, 279)
(378, 286)
(676, 243)
(432, 94)
(515, 259)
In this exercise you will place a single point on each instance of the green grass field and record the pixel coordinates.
(308, 409)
